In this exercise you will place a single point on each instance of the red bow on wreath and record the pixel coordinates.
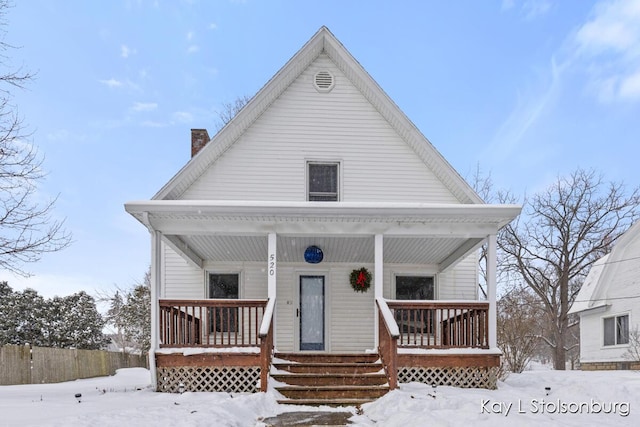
(361, 280)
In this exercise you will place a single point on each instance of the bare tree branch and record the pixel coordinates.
(562, 232)
(27, 229)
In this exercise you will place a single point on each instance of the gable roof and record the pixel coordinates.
(322, 42)
(595, 290)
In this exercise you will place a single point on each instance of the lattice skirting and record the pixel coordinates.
(231, 379)
(472, 377)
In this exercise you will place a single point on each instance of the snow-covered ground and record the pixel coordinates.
(575, 399)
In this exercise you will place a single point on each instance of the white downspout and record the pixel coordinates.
(491, 291)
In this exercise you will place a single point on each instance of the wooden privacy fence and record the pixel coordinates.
(23, 364)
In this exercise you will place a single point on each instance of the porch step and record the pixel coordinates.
(324, 402)
(329, 379)
(314, 379)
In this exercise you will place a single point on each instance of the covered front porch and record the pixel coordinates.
(223, 344)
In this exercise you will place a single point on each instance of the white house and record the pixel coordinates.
(320, 227)
(609, 306)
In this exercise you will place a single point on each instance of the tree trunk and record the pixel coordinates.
(559, 353)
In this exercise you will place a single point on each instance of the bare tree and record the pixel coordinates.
(520, 325)
(230, 109)
(563, 231)
(483, 186)
(27, 230)
(633, 352)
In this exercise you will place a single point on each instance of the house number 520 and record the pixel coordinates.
(272, 264)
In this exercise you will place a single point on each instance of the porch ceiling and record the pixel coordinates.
(354, 249)
(414, 233)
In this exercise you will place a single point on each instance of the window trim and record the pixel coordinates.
(233, 313)
(615, 331)
(395, 275)
(337, 164)
(208, 272)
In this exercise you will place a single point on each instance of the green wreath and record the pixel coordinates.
(360, 280)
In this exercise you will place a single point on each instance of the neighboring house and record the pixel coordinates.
(609, 307)
(317, 189)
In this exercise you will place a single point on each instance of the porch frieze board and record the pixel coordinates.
(374, 217)
(307, 227)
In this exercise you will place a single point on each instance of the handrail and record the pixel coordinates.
(389, 320)
(267, 317)
(266, 343)
(388, 334)
(209, 302)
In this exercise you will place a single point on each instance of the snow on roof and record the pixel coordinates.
(583, 300)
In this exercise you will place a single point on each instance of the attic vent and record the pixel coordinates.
(323, 81)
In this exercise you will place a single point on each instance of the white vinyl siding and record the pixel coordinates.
(181, 279)
(268, 162)
(352, 313)
(460, 283)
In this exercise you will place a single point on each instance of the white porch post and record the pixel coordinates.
(271, 266)
(378, 259)
(156, 253)
(378, 280)
(491, 290)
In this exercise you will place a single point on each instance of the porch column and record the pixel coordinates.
(156, 254)
(271, 266)
(378, 282)
(378, 259)
(491, 290)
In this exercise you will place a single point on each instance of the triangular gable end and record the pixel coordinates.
(322, 41)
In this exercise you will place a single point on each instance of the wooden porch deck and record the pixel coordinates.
(230, 343)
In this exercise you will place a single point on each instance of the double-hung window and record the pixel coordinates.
(322, 184)
(415, 288)
(223, 286)
(616, 330)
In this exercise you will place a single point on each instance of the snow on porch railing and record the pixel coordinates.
(211, 322)
(441, 324)
(266, 343)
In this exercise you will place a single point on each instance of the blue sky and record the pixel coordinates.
(526, 89)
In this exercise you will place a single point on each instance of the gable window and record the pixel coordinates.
(616, 330)
(322, 182)
(223, 286)
(415, 288)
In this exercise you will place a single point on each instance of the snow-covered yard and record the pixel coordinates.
(575, 399)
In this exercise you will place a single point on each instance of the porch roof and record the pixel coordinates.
(421, 233)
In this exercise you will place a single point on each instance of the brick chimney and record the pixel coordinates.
(199, 138)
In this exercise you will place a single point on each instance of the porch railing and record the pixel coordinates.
(211, 322)
(441, 324)
(428, 325)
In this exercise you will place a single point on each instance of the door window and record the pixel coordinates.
(312, 313)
